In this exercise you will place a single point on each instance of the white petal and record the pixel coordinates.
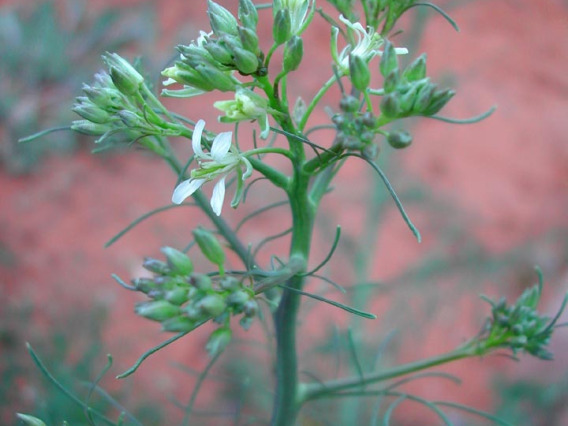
(196, 138)
(401, 50)
(218, 196)
(221, 145)
(248, 170)
(185, 189)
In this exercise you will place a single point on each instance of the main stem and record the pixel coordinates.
(286, 402)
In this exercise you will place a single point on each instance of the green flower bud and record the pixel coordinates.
(369, 120)
(179, 324)
(246, 62)
(200, 281)
(178, 262)
(212, 305)
(157, 310)
(219, 52)
(438, 101)
(216, 78)
(245, 322)
(88, 128)
(399, 139)
(250, 308)
(390, 106)
(193, 312)
(391, 82)
(408, 99)
(229, 283)
(222, 21)
(183, 74)
(144, 285)
(209, 246)
(248, 14)
(91, 112)
(238, 299)
(293, 53)
(218, 341)
(123, 75)
(156, 266)
(131, 119)
(249, 40)
(177, 296)
(282, 29)
(389, 61)
(371, 151)
(416, 70)
(424, 98)
(359, 71)
(349, 104)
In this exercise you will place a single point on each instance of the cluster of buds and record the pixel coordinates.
(115, 107)
(181, 299)
(207, 64)
(355, 130)
(410, 92)
(519, 326)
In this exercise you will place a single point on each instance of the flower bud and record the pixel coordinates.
(390, 106)
(157, 310)
(359, 71)
(237, 299)
(216, 78)
(229, 283)
(250, 308)
(145, 285)
(123, 75)
(183, 74)
(200, 281)
(218, 341)
(245, 61)
(293, 53)
(349, 104)
(399, 139)
(212, 305)
(249, 40)
(156, 266)
(416, 70)
(178, 262)
(282, 29)
(88, 128)
(131, 119)
(209, 246)
(30, 420)
(245, 322)
(91, 112)
(178, 324)
(222, 21)
(177, 296)
(248, 15)
(438, 101)
(424, 98)
(391, 82)
(389, 61)
(219, 52)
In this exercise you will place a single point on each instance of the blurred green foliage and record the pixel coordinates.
(48, 49)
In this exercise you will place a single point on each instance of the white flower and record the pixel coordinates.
(247, 105)
(367, 46)
(222, 159)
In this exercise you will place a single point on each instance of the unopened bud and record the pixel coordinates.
(416, 70)
(391, 82)
(249, 39)
(229, 283)
(209, 245)
(92, 113)
(399, 139)
(250, 308)
(390, 106)
(349, 104)
(123, 75)
(216, 78)
(293, 53)
(439, 100)
(178, 262)
(219, 52)
(156, 266)
(178, 324)
(424, 98)
(248, 14)
(88, 128)
(200, 281)
(212, 305)
(222, 21)
(282, 29)
(389, 61)
(218, 341)
(245, 61)
(157, 310)
(359, 71)
(144, 285)
(177, 296)
(238, 299)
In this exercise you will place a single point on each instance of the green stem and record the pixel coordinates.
(287, 403)
(319, 390)
(314, 102)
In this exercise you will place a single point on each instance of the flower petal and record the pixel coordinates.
(185, 189)
(221, 145)
(196, 138)
(218, 196)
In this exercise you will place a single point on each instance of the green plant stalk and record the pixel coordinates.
(286, 402)
(320, 390)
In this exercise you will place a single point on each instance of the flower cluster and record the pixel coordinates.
(116, 108)
(519, 326)
(208, 63)
(181, 299)
(355, 130)
(222, 159)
